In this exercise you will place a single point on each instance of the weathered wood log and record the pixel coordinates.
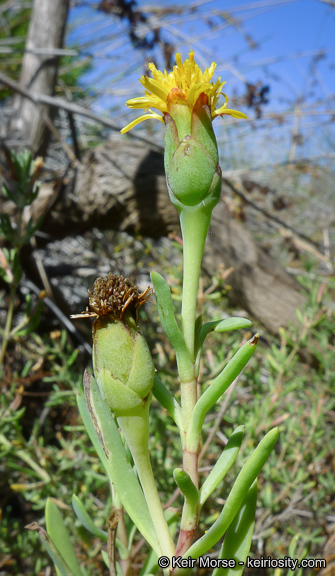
(121, 185)
(259, 283)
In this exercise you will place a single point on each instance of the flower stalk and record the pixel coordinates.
(135, 430)
(187, 100)
(125, 381)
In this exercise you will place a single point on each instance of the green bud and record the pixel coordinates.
(122, 362)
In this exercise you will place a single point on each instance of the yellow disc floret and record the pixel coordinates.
(188, 78)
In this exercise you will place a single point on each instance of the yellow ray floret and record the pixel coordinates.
(187, 77)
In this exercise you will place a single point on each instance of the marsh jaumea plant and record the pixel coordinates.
(188, 101)
(117, 399)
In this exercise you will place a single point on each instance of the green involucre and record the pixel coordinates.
(191, 152)
(123, 365)
(191, 172)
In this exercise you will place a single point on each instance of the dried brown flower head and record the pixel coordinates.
(112, 296)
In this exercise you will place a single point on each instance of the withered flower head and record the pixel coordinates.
(113, 295)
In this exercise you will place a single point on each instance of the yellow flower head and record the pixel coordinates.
(184, 84)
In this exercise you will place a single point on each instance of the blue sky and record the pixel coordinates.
(286, 44)
(291, 32)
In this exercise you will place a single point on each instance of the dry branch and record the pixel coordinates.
(39, 70)
(62, 104)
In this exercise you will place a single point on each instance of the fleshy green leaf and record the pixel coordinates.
(171, 328)
(165, 398)
(90, 429)
(60, 536)
(186, 486)
(237, 541)
(223, 464)
(238, 493)
(151, 565)
(293, 545)
(86, 521)
(61, 566)
(124, 479)
(226, 325)
(217, 388)
(233, 323)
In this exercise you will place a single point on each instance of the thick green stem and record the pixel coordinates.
(194, 225)
(188, 401)
(190, 463)
(135, 430)
(189, 519)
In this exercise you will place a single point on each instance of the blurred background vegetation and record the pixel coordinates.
(64, 78)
